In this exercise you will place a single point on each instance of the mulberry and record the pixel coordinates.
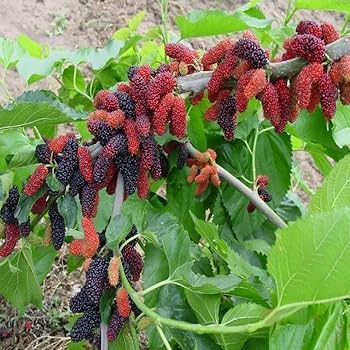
(182, 155)
(256, 83)
(328, 96)
(126, 103)
(85, 164)
(216, 53)
(57, 144)
(43, 153)
(139, 85)
(101, 166)
(143, 125)
(8, 209)
(132, 135)
(329, 34)
(128, 166)
(241, 67)
(101, 131)
(76, 183)
(87, 198)
(345, 93)
(181, 53)
(36, 180)
(132, 233)
(12, 235)
(96, 279)
(131, 71)
(163, 67)
(264, 194)
(178, 118)
(113, 271)
(123, 304)
(148, 151)
(68, 163)
(309, 27)
(106, 101)
(134, 261)
(211, 114)
(156, 169)
(227, 117)
(285, 101)
(161, 85)
(314, 98)
(79, 302)
(110, 188)
(308, 47)
(161, 114)
(241, 98)
(196, 98)
(262, 180)
(308, 76)
(252, 52)
(57, 226)
(115, 325)
(39, 205)
(164, 163)
(84, 327)
(116, 145)
(24, 228)
(142, 184)
(271, 105)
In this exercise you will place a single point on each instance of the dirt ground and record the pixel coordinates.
(88, 23)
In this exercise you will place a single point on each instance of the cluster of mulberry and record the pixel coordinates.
(102, 274)
(261, 183)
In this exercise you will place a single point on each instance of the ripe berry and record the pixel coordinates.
(264, 194)
(116, 145)
(164, 163)
(211, 114)
(132, 233)
(12, 235)
(84, 326)
(101, 131)
(58, 226)
(79, 302)
(309, 27)
(68, 163)
(36, 180)
(181, 53)
(101, 166)
(123, 304)
(126, 103)
(227, 119)
(24, 228)
(178, 118)
(87, 199)
(182, 155)
(156, 169)
(8, 208)
(307, 46)
(128, 166)
(76, 183)
(39, 205)
(161, 85)
(134, 260)
(328, 96)
(43, 153)
(252, 52)
(329, 34)
(115, 325)
(106, 101)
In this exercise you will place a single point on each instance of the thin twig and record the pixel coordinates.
(246, 191)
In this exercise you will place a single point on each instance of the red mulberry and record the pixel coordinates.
(211, 114)
(328, 96)
(134, 260)
(85, 164)
(252, 52)
(181, 53)
(271, 105)
(123, 304)
(106, 101)
(36, 180)
(39, 205)
(216, 53)
(161, 114)
(329, 34)
(262, 180)
(57, 144)
(227, 117)
(178, 118)
(115, 119)
(285, 102)
(308, 76)
(132, 135)
(161, 85)
(241, 98)
(314, 98)
(57, 226)
(101, 166)
(242, 67)
(196, 98)
(116, 145)
(309, 27)
(143, 125)
(12, 235)
(142, 184)
(308, 47)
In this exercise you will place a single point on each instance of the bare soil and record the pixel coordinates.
(89, 23)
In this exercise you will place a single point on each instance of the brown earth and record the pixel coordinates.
(89, 23)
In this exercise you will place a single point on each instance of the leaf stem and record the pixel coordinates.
(155, 286)
(246, 191)
(164, 339)
(129, 240)
(76, 87)
(253, 157)
(132, 325)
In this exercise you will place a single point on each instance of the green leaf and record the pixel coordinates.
(106, 304)
(123, 342)
(73, 78)
(315, 249)
(138, 209)
(37, 108)
(320, 159)
(245, 127)
(258, 245)
(341, 122)
(104, 210)
(196, 130)
(341, 5)
(20, 286)
(52, 182)
(213, 22)
(206, 307)
(10, 53)
(117, 230)
(43, 258)
(335, 191)
(239, 315)
(73, 262)
(16, 148)
(67, 206)
(136, 20)
(30, 46)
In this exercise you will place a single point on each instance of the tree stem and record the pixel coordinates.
(246, 191)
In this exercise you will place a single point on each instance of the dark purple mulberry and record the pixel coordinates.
(58, 226)
(115, 325)
(84, 327)
(126, 104)
(182, 155)
(264, 194)
(148, 152)
(79, 302)
(8, 209)
(87, 198)
(96, 278)
(132, 233)
(43, 153)
(227, 117)
(156, 169)
(128, 166)
(131, 71)
(68, 163)
(101, 131)
(118, 144)
(76, 183)
(134, 261)
(252, 52)
(24, 228)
